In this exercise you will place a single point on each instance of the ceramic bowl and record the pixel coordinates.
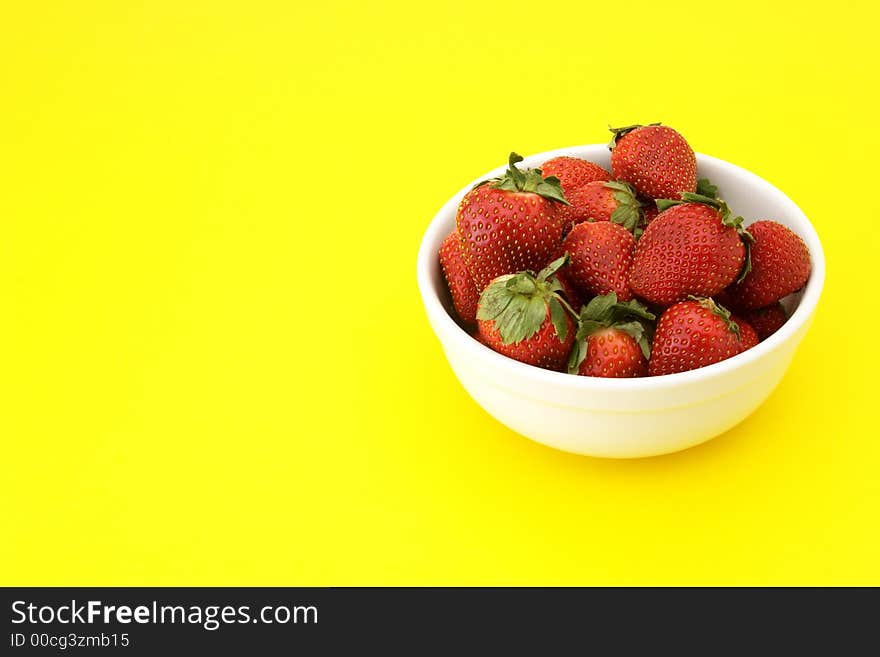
(626, 418)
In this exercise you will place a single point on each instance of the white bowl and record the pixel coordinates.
(626, 418)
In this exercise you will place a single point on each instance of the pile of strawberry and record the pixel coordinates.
(640, 271)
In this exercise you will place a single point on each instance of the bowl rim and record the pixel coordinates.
(474, 349)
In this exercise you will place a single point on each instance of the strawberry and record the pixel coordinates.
(654, 159)
(524, 317)
(574, 172)
(461, 286)
(767, 320)
(748, 337)
(780, 265)
(693, 247)
(612, 339)
(605, 201)
(512, 223)
(601, 254)
(692, 334)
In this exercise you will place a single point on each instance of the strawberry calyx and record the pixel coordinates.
(605, 311)
(706, 188)
(517, 304)
(628, 212)
(718, 310)
(618, 133)
(530, 181)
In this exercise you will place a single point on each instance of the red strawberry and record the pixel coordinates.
(767, 320)
(601, 254)
(461, 286)
(693, 334)
(780, 265)
(654, 159)
(748, 337)
(693, 247)
(523, 317)
(573, 172)
(509, 224)
(612, 353)
(605, 201)
(611, 340)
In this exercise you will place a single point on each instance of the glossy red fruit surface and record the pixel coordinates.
(655, 159)
(510, 224)
(766, 321)
(458, 279)
(686, 250)
(543, 349)
(601, 255)
(611, 353)
(780, 265)
(692, 334)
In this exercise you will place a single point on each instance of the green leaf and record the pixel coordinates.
(747, 263)
(557, 316)
(494, 299)
(534, 316)
(522, 283)
(633, 308)
(587, 327)
(619, 186)
(633, 329)
(631, 317)
(706, 188)
(599, 308)
(511, 324)
(728, 218)
(507, 184)
(553, 267)
(551, 188)
(627, 216)
(531, 180)
(512, 170)
(666, 203)
(577, 355)
(522, 319)
(689, 197)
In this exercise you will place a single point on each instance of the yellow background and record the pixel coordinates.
(215, 365)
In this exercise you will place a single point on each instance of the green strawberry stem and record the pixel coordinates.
(530, 181)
